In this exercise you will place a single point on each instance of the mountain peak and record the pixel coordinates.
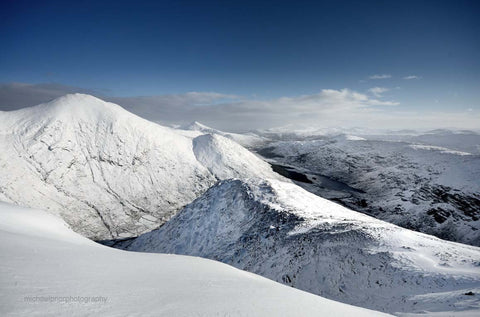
(81, 102)
(77, 97)
(197, 126)
(69, 108)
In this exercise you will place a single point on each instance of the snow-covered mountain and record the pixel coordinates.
(248, 140)
(427, 187)
(280, 231)
(69, 275)
(110, 174)
(459, 140)
(293, 132)
(107, 172)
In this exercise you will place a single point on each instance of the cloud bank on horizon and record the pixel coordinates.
(328, 108)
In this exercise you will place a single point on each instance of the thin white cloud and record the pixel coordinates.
(411, 77)
(382, 76)
(378, 91)
(328, 108)
(328, 105)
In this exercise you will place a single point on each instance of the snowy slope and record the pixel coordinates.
(227, 159)
(282, 232)
(48, 270)
(246, 139)
(428, 188)
(107, 172)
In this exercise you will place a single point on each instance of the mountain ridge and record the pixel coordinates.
(280, 231)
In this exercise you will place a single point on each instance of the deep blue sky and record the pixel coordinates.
(259, 48)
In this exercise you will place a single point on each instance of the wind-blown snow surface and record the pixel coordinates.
(105, 171)
(282, 232)
(48, 270)
(429, 188)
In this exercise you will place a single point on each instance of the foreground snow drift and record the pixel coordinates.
(47, 269)
(282, 232)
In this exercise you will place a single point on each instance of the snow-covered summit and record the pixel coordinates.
(71, 107)
(79, 105)
(248, 140)
(197, 126)
(107, 172)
